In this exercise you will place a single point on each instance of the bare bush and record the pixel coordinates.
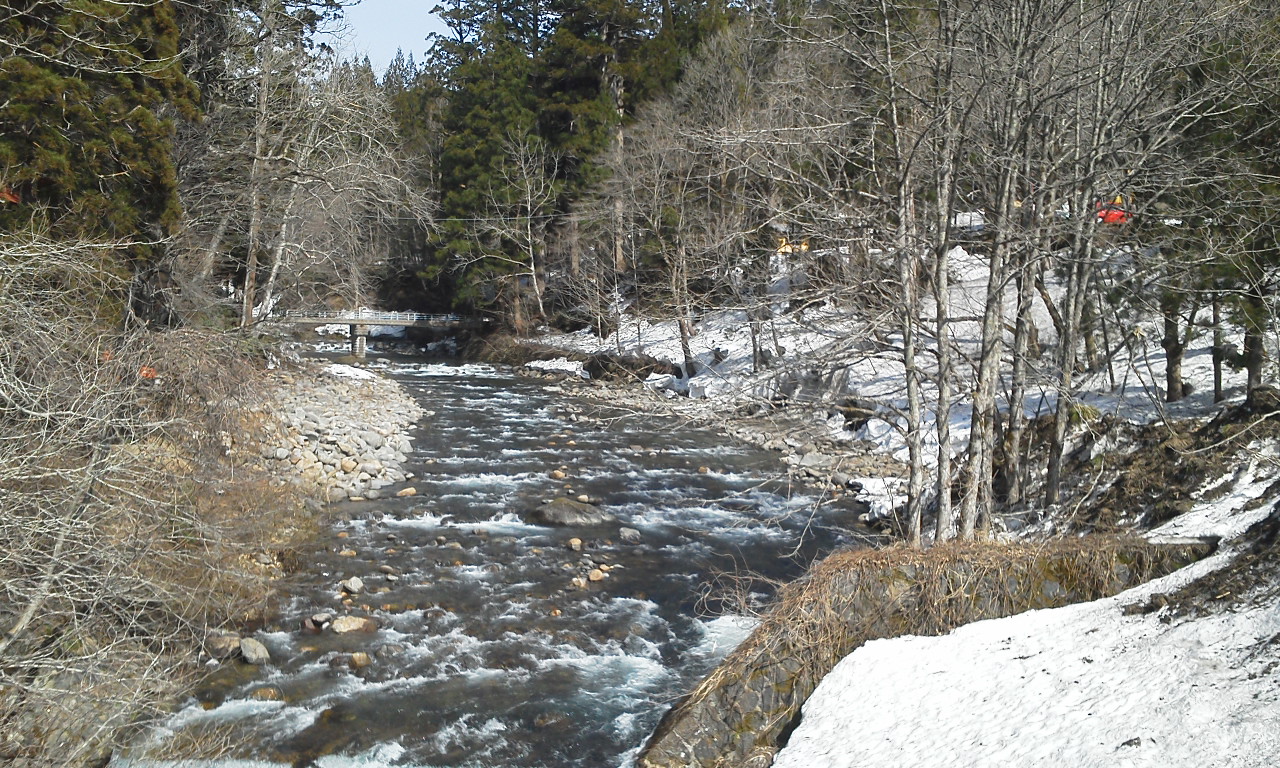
(113, 568)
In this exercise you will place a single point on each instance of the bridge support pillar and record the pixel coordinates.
(359, 340)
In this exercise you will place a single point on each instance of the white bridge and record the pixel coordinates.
(361, 320)
(376, 317)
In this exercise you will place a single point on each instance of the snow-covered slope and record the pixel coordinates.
(1084, 685)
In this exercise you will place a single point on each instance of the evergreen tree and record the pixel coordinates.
(565, 75)
(91, 91)
(486, 73)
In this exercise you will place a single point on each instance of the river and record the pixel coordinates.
(487, 654)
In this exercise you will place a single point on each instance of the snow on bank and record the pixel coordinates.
(1078, 686)
(1083, 685)
(349, 372)
(825, 354)
(559, 364)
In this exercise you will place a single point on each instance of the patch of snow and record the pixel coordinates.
(562, 364)
(884, 494)
(349, 372)
(723, 634)
(1079, 686)
(1227, 517)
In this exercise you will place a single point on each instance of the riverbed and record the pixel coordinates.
(499, 642)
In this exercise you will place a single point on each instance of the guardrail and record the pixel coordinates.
(371, 317)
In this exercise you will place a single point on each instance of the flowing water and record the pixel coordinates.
(487, 654)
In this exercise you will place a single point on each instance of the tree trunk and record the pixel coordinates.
(257, 171)
(975, 510)
(1024, 329)
(1219, 349)
(575, 249)
(911, 305)
(680, 290)
(211, 251)
(1079, 275)
(1173, 348)
(944, 524)
(1255, 354)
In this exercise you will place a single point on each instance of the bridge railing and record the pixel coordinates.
(371, 317)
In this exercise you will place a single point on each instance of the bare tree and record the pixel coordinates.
(296, 177)
(521, 208)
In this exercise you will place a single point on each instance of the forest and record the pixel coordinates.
(173, 174)
(1123, 154)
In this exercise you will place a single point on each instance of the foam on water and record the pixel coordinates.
(444, 370)
(275, 717)
(723, 634)
(420, 519)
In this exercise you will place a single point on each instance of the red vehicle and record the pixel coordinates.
(1112, 212)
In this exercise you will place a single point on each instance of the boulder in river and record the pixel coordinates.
(222, 645)
(316, 623)
(360, 660)
(562, 511)
(344, 624)
(253, 651)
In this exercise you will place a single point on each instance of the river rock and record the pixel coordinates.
(222, 645)
(352, 586)
(629, 535)
(388, 650)
(410, 491)
(316, 623)
(347, 624)
(253, 651)
(575, 544)
(567, 512)
(360, 660)
(267, 693)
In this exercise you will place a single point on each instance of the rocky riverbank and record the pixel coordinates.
(336, 433)
(339, 432)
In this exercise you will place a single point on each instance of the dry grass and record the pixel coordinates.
(1167, 469)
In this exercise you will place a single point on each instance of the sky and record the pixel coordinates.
(379, 27)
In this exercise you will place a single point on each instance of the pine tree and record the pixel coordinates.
(487, 75)
(92, 90)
